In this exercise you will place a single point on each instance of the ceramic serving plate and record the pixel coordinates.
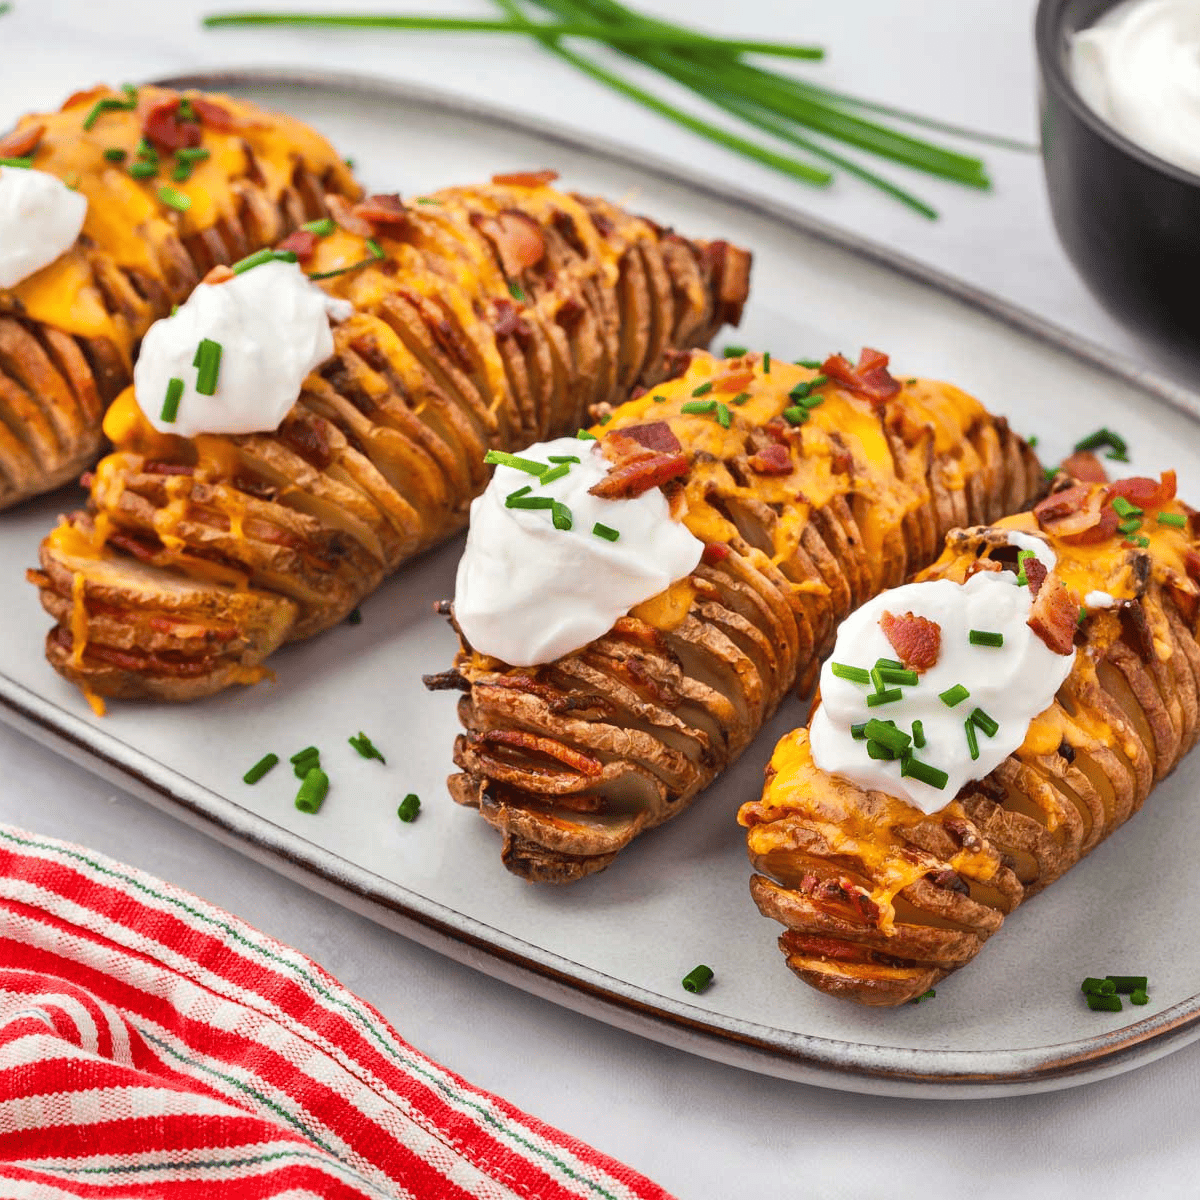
(616, 946)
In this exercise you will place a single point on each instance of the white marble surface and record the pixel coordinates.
(701, 1129)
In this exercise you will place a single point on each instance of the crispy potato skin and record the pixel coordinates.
(498, 315)
(570, 761)
(880, 901)
(68, 335)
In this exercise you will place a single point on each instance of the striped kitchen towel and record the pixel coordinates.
(154, 1046)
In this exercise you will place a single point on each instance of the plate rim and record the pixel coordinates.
(806, 1058)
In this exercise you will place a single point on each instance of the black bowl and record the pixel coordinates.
(1130, 222)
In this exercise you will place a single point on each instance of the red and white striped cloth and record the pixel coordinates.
(154, 1046)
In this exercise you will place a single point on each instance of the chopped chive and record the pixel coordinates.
(1128, 983)
(517, 292)
(182, 173)
(703, 389)
(1023, 556)
(561, 515)
(935, 777)
(146, 152)
(811, 402)
(696, 407)
(22, 163)
(1130, 526)
(170, 408)
(563, 458)
(515, 501)
(1097, 987)
(880, 752)
(740, 399)
(375, 248)
(208, 364)
(302, 768)
(734, 351)
(354, 617)
(194, 154)
(103, 106)
(1103, 1003)
(724, 416)
(929, 995)
(1176, 519)
(427, 200)
(185, 111)
(260, 768)
(606, 532)
(362, 262)
(553, 473)
(796, 415)
(584, 436)
(898, 676)
(257, 259)
(983, 637)
(366, 747)
(143, 170)
(895, 664)
(502, 458)
(409, 807)
(972, 740)
(952, 696)
(812, 364)
(877, 679)
(918, 735)
(886, 697)
(697, 979)
(1139, 996)
(859, 731)
(981, 720)
(818, 381)
(1125, 508)
(115, 154)
(1103, 437)
(660, 399)
(307, 752)
(312, 791)
(888, 735)
(322, 228)
(174, 199)
(1141, 541)
(766, 361)
(605, 418)
(853, 674)
(801, 390)
(513, 496)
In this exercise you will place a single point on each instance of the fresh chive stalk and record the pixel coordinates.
(1178, 520)
(606, 532)
(952, 696)
(698, 407)
(504, 459)
(853, 674)
(170, 408)
(985, 637)
(890, 696)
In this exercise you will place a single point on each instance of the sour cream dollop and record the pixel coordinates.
(272, 324)
(529, 593)
(1139, 69)
(40, 218)
(1011, 683)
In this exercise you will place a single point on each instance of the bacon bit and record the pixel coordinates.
(736, 382)
(1084, 466)
(730, 266)
(869, 379)
(774, 459)
(21, 141)
(1055, 617)
(346, 217)
(165, 131)
(308, 437)
(1078, 515)
(1145, 493)
(634, 478)
(653, 435)
(569, 312)
(302, 242)
(1035, 572)
(518, 739)
(916, 640)
(387, 211)
(219, 274)
(714, 552)
(85, 97)
(676, 362)
(218, 118)
(525, 178)
(508, 321)
(517, 239)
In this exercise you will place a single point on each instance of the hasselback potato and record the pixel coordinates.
(483, 317)
(810, 493)
(69, 331)
(882, 899)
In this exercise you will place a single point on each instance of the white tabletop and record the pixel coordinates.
(700, 1129)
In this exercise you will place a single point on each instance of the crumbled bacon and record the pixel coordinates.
(569, 311)
(1055, 617)
(730, 266)
(629, 479)
(21, 141)
(383, 211)
(714, 552)
(774, 459)
(653, 435)
(1084, 466)
(165, 131)
(347, 217)
(86, 96)
(517, 238)
(1078, 514)
(1145, 493)
(217, 117)
(1035, 572)
(525, 178)
(301, 242)
(870, 378)
(736, 382)
(916, 640)
(508, 321)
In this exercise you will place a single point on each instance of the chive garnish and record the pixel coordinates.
(427, 200)
(605, 418)
(981, 720)
(509, 500)
(734, 351)
(724, 416)
(409, 807)
(103, 106)
(853, 674)
(115, 154)
(913, 768)
(143, 170)
(193, 154)
(1130, 526)
(312, 791)
(354, 617)
(22, 163)
(519, 501)
(322, 228)
(817, 381)
(660, 399)
(918, 735)
(182, 173)
(890, 696)
(1176, 519)
(260, 768)
(1022, 557)
(307, 752)
(899, 675)
(1125, 508)
(1139, 996)
(185, 111)
(606, 532)
(1092, 986)
(880, 752)
(929, 995)
(983, 637)
(517, 292)
(813, 364)
(740, 399)
(697, 979)
(895, 664)
(1099, 1003)
(560, 514)
(952, 696)
(208, 366)
(796, 415)
(766, 361)
(1105, 437)
(1141, 541)
(1128, 983)
(362, 262)
(563, 458)
(859, 731)
(584, 436)
(174, 199)
(502, 458)
(366, 747)
(375, 248)
(553, 473)
(811, 402)
(888, 735)
(703, 389)
(877, 680)
(259, 257)
(170, 408)
(972, 740)
(800, 391)
(697, 407)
